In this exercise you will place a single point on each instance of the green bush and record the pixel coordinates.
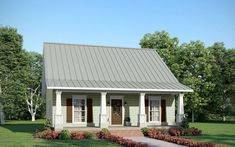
(65, 135)
(184, 125)
(88, 135)
(105, 131)
(144, 131)
(48, 125)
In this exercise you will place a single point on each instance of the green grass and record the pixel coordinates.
(219, 133)
(19, 134)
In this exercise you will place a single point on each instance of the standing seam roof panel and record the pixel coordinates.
(86, 66)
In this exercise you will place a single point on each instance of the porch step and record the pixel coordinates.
(126, 133)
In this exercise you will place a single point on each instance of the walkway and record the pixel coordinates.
(154, 142)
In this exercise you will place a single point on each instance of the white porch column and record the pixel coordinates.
(58, 113)
(142, 115)
(103, 115)
(180, 110)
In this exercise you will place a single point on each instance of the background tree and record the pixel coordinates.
(15, 71)
(165, 45)
(195, 71)
(33, 101)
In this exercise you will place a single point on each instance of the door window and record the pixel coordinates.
(154, 106)
(79, 110)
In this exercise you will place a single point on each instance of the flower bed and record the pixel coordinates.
(119, 140)
(175, 138)
(62, 135)
(103, 134)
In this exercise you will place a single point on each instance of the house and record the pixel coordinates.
(101, 86)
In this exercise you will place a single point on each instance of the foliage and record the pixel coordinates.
(175, 132)
(19, 133)
(88, 135)
(17, 73)
(144, 131)
(184, 124)
(209, 71)
(65, 135)
(120, 140)
(77, 135)
(48, 125)
(192, 131)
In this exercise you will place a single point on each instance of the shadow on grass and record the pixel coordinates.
(86, 142)
(27, 128)
(218, 139)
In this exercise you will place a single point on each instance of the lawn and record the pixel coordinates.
(219, 133)
(19, 133)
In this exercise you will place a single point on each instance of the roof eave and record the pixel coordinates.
(121, 89)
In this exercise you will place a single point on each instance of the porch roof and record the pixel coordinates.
(87, 67)
(117, 86)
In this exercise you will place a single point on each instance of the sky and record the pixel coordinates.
(118, 22)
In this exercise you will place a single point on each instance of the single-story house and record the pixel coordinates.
(102, 86)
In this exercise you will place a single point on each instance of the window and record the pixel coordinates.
(154, 109)
(79, 109)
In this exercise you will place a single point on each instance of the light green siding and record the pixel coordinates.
(170, 109)
(130, 109)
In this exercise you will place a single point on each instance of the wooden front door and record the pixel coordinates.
(116, 111)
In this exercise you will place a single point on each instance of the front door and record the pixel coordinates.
(116, 113)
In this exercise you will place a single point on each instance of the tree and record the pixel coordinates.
(12, 68)
(33, 101)
(164, 44)
(18, 71)
(195, 70)
(190, 63)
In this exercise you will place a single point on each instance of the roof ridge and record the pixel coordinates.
(104, 46)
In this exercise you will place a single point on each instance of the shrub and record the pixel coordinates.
(39, 133)
(48, 125)
(164, 131)
(193, 131)
(101, 134)
(175, 132)
(144, 131)
(50, 135)
(88, 135)
(184, 124)
(65, 135)
(122, 141)
(77, 135)
(152, 132)
(105, 130)
(46, 134)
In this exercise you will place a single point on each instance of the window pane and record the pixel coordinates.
(79, 110)
(154, 110)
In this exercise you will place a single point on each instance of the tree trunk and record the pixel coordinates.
(33, 116)
(192, 115)
(224, 118)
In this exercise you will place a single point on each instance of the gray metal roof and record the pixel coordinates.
(71, 66)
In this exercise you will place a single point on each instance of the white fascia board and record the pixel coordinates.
(120, 89)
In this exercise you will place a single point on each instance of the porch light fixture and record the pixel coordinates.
(108, 103)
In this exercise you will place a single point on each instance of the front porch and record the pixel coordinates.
(95, 110)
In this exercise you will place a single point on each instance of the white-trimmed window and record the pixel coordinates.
(155, 109)
(79, 109)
